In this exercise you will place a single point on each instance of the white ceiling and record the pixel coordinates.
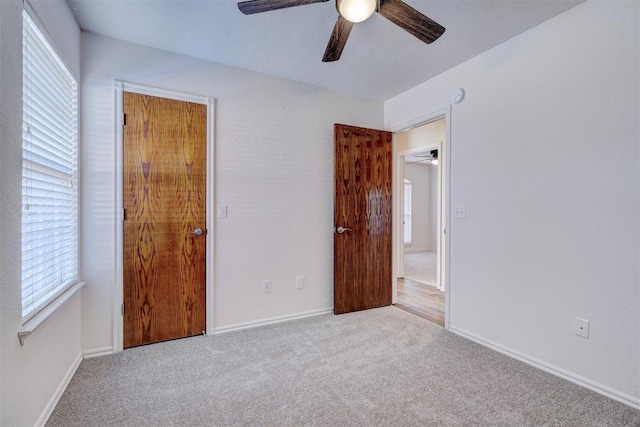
(379, 61)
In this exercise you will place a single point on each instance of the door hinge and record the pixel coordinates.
(124, 119)
(122, 309)
(124, 214)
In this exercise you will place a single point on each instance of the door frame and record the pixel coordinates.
(118, 283)
(445, 199)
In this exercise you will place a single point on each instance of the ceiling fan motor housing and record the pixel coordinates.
(356, 10)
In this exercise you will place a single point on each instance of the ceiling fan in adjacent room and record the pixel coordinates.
(425, 158)
(354, 11)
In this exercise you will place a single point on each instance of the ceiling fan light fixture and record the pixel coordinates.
(434, 157)
(356, 10)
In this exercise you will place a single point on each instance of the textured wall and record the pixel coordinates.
(29, 375)
(273, 169)
(545, 156)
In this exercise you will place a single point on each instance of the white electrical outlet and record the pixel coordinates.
(460, 212)
(222, 211)
(300, 282)
(266, 286)
(582, 327)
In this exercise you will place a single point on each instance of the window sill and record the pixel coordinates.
(31, 325)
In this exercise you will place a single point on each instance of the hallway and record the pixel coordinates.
(422, 300)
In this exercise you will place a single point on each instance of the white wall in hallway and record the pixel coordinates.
(420, 177)
(545, 157)
(425, 136)
(273, 170)
(433, 206)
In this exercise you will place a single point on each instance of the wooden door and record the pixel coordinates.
(362, 252)
(164, 202)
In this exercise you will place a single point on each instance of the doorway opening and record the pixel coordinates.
(421, 233)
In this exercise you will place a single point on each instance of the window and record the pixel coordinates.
(49, 173)
(407, 212)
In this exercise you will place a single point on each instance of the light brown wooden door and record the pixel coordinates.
(164, 202)
(362, 252)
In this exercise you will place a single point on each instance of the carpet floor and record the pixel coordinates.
(421, 267)
(381, 367)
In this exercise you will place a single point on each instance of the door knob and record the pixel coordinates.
(341, 229)
(197, 232)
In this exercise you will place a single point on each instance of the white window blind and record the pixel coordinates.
(49, 173)
(407, 211)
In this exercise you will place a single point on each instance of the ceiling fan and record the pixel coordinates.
(430, 157)
(354, 11)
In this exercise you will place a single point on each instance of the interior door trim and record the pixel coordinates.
(117, 292)
(445, 159)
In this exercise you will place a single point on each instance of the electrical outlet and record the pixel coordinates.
(581, 327)
(222, 211)
(460, 212)
(266, 286)
(300, 282)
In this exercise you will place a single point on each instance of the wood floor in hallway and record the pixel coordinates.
(422, 300)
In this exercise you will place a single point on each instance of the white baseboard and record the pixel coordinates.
(628, 400)
(48, 410)
(97, 352)
(269, 321)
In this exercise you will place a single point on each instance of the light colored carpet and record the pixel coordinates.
(381, 367)
(421, 267)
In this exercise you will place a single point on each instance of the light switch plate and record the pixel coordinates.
(266, 286)
(460, 212)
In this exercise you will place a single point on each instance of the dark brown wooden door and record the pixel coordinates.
(164, 201)
(362, 252)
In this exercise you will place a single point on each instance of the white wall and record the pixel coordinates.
(420, 177)
(274, 171)
(425, 136)
(29, 375)
(433, 207)
(545, 157)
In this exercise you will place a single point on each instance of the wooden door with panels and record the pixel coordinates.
(165, 145)
(362, 237)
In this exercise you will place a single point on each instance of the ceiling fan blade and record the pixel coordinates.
(411, 20)
(338, 39)
(257, 6)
